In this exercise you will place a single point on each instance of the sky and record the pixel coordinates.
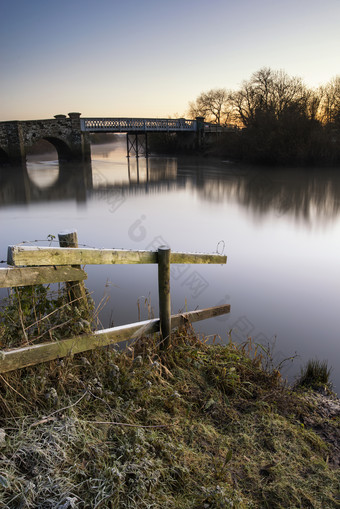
(148, 58)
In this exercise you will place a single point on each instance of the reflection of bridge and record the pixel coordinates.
(78, 182)
(70, 136)
(307, 195)
(16, 187)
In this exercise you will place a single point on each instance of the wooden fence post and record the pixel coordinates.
(164, 294)
(76, 291)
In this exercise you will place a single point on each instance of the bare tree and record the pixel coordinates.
(330, 103)
(215, 106)
(272, 93)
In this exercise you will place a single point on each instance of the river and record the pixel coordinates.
(280, 229)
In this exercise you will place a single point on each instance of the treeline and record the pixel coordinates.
(280, 119)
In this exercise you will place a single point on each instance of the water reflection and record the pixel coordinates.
(307, 195)
(279, 266)
(43, 176)
(49, 182)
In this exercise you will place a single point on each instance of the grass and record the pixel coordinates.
(198, 426)
(36, 314)
(315, 374)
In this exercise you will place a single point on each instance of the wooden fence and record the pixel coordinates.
(31, 265)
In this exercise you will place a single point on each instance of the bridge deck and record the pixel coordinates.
(135, 125)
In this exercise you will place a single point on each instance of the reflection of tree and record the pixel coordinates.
(306, 195)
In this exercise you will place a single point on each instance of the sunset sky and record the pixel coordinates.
(150, 57)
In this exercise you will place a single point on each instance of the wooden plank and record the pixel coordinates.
(33, 255)
(31, 355)
(197, 258)
(27, 255)
(27, 276)
(198, 315)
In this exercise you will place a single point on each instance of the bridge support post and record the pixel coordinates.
(80, 146)
(199, 132)
(137, 144)
(146, 144)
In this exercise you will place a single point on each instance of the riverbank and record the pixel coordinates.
(318, 147)
(198, 426)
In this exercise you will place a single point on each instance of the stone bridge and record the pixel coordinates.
(64, 133)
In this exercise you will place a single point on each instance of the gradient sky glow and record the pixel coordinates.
(150, 58)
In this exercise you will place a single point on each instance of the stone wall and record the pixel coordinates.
(64, 133)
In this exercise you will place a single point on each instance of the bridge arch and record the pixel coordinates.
(63, 150)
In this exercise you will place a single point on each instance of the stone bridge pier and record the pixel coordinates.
(64, 133)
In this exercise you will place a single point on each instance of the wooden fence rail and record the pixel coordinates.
(29, 355)
(11, 277)
(34, 255)
(42, 265)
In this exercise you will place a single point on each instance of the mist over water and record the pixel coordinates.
(279, 228)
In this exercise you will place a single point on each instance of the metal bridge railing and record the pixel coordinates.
(123, 125)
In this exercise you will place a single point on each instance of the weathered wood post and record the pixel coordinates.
(76, 291)
(164, 294)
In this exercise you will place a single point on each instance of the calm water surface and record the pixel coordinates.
(279, 229)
